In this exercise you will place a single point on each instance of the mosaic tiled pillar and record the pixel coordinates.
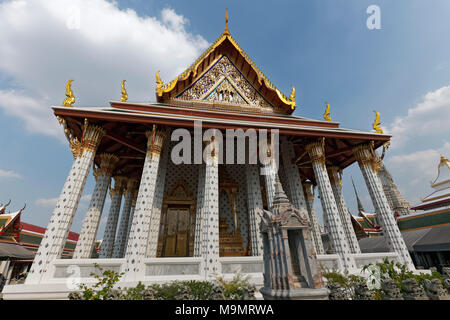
(336, 185)
(336, 233)
(58, 228)
(210, 218)
(293, 177)
(121, 237)
(140, 227)
(107, 247)
(86, 240)
(254, 199)
(315, 228)
(269, 172)
(368, 163)
(155, 220)
(130, 220)
(199, 211)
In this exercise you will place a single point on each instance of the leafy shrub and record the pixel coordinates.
(105, 289)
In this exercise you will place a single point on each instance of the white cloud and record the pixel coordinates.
(9, 174)
(44, 43)
(429, 117)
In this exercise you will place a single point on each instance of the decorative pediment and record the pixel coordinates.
(243, 74)
(224, 83)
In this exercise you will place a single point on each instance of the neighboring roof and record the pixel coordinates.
(428, 239)
(436, 239)
(14, 251)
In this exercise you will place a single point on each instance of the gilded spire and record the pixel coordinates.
(376, 125)
(124, 97)
(326, 115)
(70, 98)
(226, 31)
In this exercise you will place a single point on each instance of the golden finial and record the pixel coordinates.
(376, 125)
(326, 115)
(292, 97)
(159, 85)
(69, 94)
(226, 31)
(444, 161)
(124, 97)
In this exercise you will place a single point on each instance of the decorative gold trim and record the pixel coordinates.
(327, 115)
(70, 98)
(155, 142)
(366, 155)
(316, 151)
(335, 175)
(124, 97)
(376, 124)
(164, 88)
(120, 183)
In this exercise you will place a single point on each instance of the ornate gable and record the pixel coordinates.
(245, 86)
(224, 83)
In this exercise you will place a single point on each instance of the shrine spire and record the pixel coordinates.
(226, 31)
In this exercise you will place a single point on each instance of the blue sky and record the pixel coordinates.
(322, 47)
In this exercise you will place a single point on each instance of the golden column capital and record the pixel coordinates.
(366, 156)
(309, 190)
(132, 184)
(335, 174)
(155, 141)
(120, 183)
(135, 195)
(316, 151)
(108, 163)
(92, 135)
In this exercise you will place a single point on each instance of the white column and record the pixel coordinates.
(58, 228)
(155, 220)
(210, 218)
(335, 230)
(199, 211)
(86, 240)
(269, 173)
(107, 247)
(369, 164)
(130, 220)
(336, 185)
(295, 186)
(315, 228)
(254, 202)
(121, 237)
(140, 228)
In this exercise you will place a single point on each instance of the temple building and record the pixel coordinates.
(183, 206)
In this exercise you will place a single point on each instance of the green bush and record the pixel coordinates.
(105, 289)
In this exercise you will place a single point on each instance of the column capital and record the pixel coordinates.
(92, 135)
(135, 194)
(309, 190)
(335, 174)
(108, 163)
(316, 151)
(155, 141)
(366, 156)
(132, 184)
(120, 183)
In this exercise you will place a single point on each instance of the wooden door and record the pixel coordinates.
(177, 234)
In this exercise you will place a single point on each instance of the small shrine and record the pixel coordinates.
(290, 263)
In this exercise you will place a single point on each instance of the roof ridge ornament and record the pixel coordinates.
(327, 115)
(226, 31)
(70, 98)
(376, 124)
(124, 97)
